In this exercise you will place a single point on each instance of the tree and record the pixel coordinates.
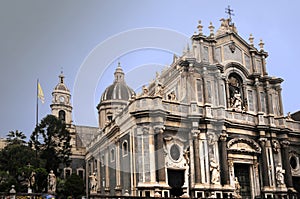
(55, 146)
(74, 186)
(16, 137)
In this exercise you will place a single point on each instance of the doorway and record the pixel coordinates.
(242, 172)
(176, 181)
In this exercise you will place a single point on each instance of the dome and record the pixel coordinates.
(61, 85)
(119, 89)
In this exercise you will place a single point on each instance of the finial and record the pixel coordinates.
(211, 29)
(119, 64)
(61, 76)
(229, 12)
(261, 45)
(200, 27)
(251, 39)
(187, 47)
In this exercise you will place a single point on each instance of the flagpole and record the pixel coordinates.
(37, 102)
(37, 118)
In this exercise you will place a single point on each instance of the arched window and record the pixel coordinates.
(124, 148)
(112, 155)
(236, 96)
(62, 115)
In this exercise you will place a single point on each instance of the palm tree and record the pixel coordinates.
(16, 137)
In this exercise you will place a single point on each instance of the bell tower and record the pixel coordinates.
(61, 101)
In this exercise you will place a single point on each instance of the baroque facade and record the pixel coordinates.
(210, 125)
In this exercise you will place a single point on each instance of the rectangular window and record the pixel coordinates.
(250, 100)
(199, 90)
(263, 101)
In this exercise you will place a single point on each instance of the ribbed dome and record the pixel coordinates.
(119, 89)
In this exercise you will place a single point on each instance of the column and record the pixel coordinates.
(160, 154)
(280, 100)
(264, 162)
(263, 61)
(195, 134)
(257, 94)
(227, 94)
(286, 163)
(269, 100)
(245, 102)
(224, 159)
(118, 174)
(107, 188)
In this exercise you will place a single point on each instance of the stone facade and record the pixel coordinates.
(210, 125)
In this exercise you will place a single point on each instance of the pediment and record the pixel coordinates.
(243, 145)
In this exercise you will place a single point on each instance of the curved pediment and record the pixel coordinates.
(243, 145)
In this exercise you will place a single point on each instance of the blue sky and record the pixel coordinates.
(38, 38)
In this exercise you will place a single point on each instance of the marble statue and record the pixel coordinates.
(51, 182)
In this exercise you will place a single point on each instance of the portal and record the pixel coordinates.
(242, 172)
(176, 181)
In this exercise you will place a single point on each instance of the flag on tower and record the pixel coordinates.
(41, 93)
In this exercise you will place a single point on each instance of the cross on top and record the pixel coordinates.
(229, 12)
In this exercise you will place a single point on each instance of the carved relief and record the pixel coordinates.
(276, 146)
(243, 145)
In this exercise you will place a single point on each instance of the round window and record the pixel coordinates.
(293, 162)
(175, 152)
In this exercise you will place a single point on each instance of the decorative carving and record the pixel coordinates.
(159, 90)
(93, 183)
(172, 96)
(235, 93)
(280, 175)
(285, 143)
(159, 129)
(237, 188)
(211, 139)
(226, 27)
(145, 90)
(215, 171)
(276, 146)
(243, 145)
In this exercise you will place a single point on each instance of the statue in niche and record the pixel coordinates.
(186, 154)
(93, 183)
(236, 101)
(276, 146)
(215, 171)
(280, 175)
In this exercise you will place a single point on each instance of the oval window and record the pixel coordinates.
(293, 162)
(175, 152)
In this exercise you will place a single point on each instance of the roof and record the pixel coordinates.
(86, 134)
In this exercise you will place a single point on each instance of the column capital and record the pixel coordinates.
(223, 137)
(263, 141)
(159, 128)
(195, 133)
(285, 143)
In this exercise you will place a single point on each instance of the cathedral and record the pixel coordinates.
(210, 125)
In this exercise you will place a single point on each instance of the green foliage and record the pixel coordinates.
(40, 180)
(15, 156)
(55, 147)
(16, 137)
(74, 186)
